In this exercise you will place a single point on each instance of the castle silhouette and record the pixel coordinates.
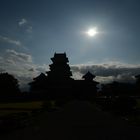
(58, 82)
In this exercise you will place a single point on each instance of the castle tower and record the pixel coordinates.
(59, 69)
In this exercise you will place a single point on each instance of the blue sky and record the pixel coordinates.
(38, 28)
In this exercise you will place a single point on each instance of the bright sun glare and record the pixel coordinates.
(92, 32)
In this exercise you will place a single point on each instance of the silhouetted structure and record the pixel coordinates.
(39, 83)
(88, 76)
(87, 88)
(58, 83)
(59, 69)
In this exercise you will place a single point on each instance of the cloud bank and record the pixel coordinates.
(108, 72)
(21, 65)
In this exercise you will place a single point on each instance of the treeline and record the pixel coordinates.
(9, 88)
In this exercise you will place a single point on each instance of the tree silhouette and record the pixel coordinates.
(8, 85)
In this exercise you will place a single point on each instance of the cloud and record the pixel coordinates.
(2, 70)
(21, 57)
(29, 29)
(42, 68)
(20, 65)
(108, 72)
(31, 69)
(10, 41)
(22, 22)
(25, 25)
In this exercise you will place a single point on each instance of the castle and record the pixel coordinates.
(59, 82)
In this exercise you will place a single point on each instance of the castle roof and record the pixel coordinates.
(60, 57)
(40, 77)
(88, 76)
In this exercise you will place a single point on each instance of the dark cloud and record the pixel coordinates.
(2, 70)
(108, 72)
(31, 69)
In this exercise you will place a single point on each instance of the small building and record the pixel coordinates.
(38, 83)
(87, 88)
(88, 76)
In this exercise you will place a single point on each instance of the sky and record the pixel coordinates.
(31, 31)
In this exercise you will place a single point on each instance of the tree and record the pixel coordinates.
(8, 85)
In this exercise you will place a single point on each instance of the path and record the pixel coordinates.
(77, 121)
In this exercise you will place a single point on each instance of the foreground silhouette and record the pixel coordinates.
(9, 87)
(58, 83)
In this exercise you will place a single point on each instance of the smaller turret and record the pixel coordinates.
(88, 76)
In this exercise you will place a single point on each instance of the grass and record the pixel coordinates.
(18, 107)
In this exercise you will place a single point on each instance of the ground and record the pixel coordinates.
(77, 120)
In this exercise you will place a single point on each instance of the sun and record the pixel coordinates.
(92, 32)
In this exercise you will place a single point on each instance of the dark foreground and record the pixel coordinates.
(78, 120)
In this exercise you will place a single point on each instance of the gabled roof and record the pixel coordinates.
(60, 54)
(60, 57)
(40, 77)
(88, 76)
